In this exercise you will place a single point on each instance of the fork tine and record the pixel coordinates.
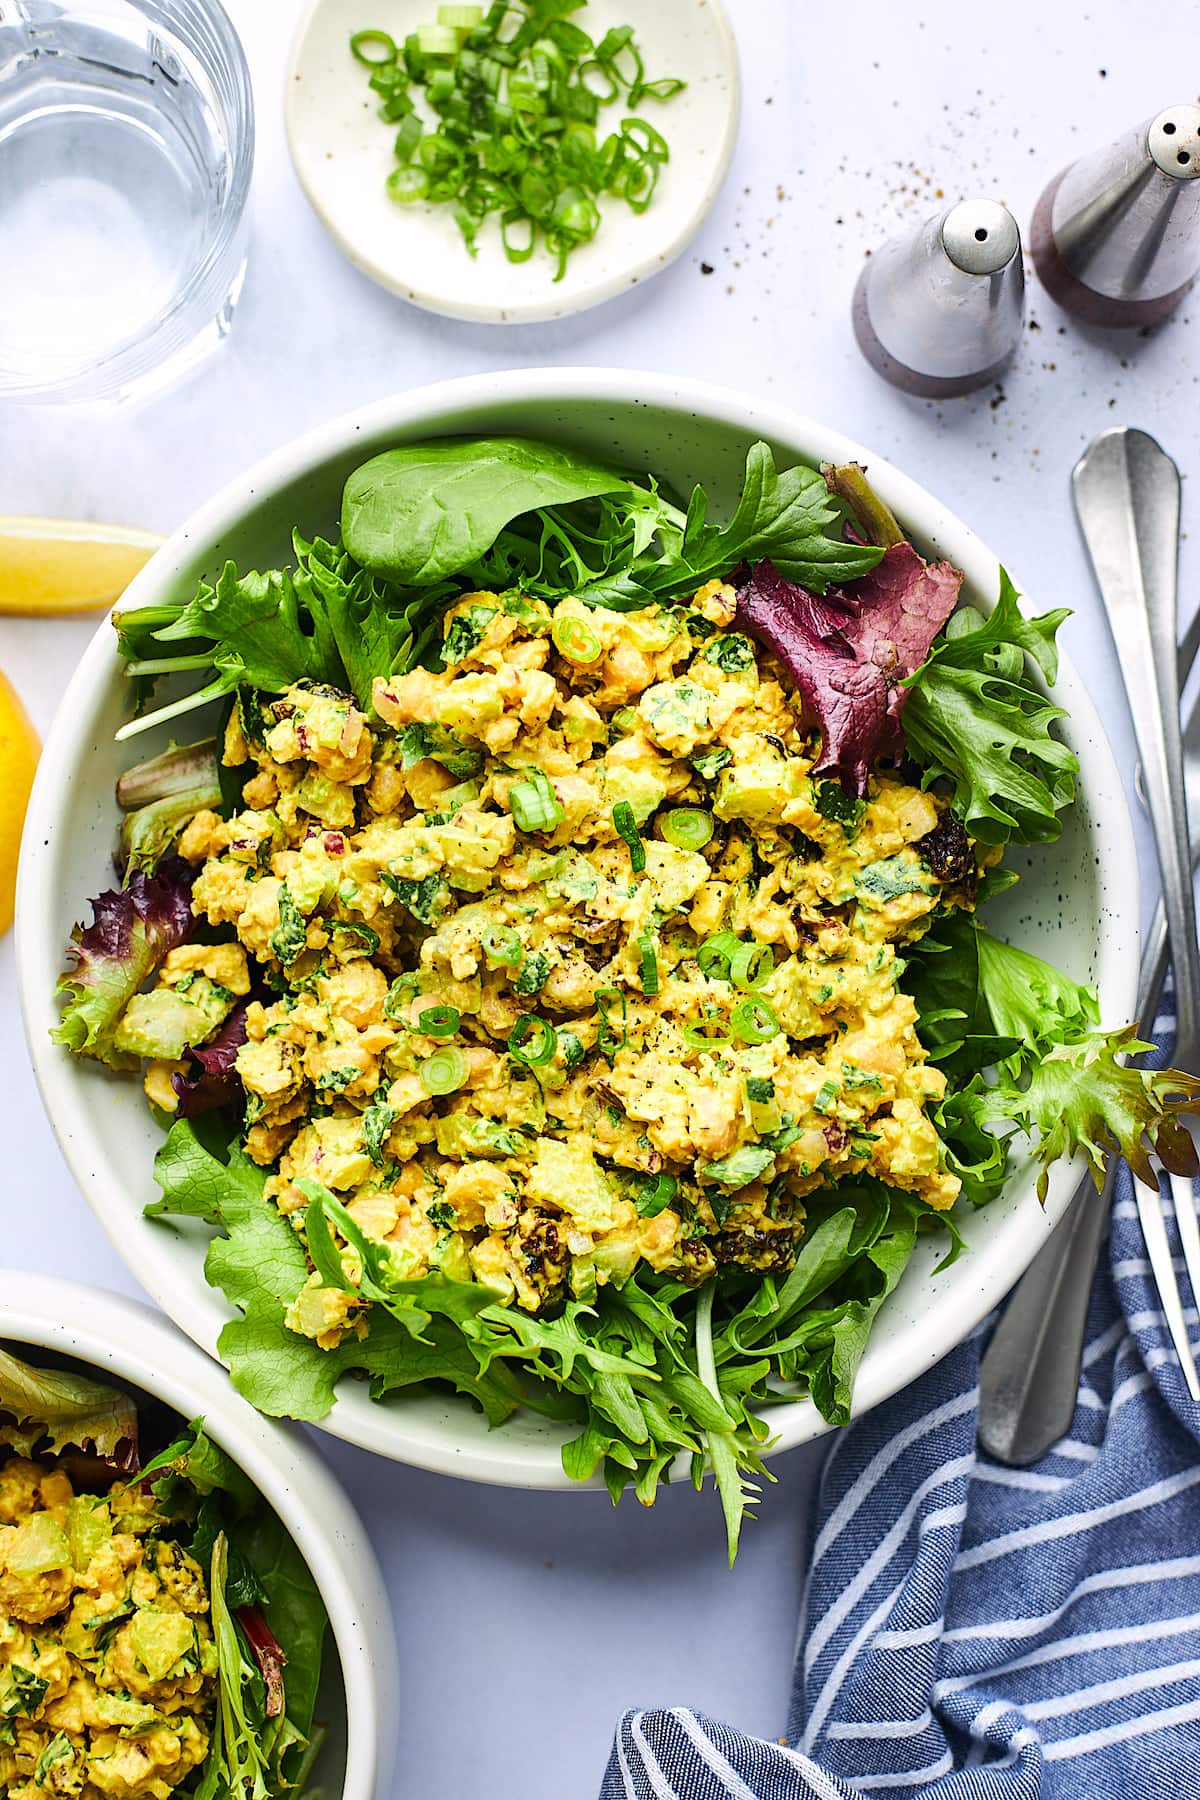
(1158, 1248)
(1184, 1195)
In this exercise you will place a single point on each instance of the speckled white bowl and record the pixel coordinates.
(1077, 902)
(342, 154)
(127, 1343)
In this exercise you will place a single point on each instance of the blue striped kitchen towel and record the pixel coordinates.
(979, 1633)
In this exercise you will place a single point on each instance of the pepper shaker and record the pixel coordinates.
(1116, 236)
(939, 312)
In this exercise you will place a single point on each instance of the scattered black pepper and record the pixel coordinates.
(706, 268)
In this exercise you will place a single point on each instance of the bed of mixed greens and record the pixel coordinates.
(159, 1630)
(451, 557)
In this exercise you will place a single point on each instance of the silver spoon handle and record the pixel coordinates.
(1127, 498)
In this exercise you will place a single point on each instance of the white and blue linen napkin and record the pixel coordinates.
(979, 1633)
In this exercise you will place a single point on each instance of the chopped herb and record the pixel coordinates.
(58, 1750)
(731, 653)
(467, 631)
(709, 763)
(353, 928)
(419, 741)
(532, 976)
(826, 1095)
(377, 1122)
(334, 1080)
(426, 899)
(854, 1077)
(441, 1214)
(291, 934)
(625, 825)
(834, 803)
(759, 1089)
(26, 1693)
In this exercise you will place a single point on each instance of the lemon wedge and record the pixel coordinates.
(18, 760)
(66, 566)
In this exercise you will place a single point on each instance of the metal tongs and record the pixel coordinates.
(1127, 496)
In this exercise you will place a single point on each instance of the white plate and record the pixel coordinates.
(342, 151)
(125, 1342)
(1076, 904)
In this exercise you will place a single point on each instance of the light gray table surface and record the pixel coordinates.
(527, 1622)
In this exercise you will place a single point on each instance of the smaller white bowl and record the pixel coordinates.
(125, 1341)
(342, 152)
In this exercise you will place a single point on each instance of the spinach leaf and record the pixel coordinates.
(422, 512)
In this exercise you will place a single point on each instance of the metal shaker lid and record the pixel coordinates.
(1173, 140)
(980, 236)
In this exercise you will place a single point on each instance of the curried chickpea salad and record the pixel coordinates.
(564, 968)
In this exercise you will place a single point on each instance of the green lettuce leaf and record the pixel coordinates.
(56, 1409)
(973, 717)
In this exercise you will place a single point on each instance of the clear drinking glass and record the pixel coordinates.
(126, 149)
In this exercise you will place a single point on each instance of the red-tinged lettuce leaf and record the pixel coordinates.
(131, 932)
(267, 1653)
(211, 1080)
(56, 1409)
(849, 650)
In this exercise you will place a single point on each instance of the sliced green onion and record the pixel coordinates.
(460, 18)
(706, 1039)
(646, 141)
(687, 827)
(502, 946)
(625, 825)
(657, 1192)
(532, 1041)
(649, 966)
(438, 1021)
(404, 989)
(716, 953)
(406, 184)
(407, 139)
(437, 40)
(576, 639)
(751, 965)
(445, 1071)
(534, 804)
(372, 42)
(753, 1021)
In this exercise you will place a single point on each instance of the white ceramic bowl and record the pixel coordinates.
(125, 1341)
(1077, 903)
(342, 154)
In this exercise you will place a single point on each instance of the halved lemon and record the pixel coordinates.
(67, 565)
(18, 759)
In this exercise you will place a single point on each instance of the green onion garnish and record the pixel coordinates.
(438, 1021)
(710, 1035)
(402, 990)
(716, 953)
(517, 94)
(656, 1193)
(751, 965)
(373, 48)
(576, 639)
(626, 827)
(534, 804)
(502, 946)
(532, 1041)
(445, 1071)
(687, 827)
(753, 1021)
(406, 184)
(649, 965)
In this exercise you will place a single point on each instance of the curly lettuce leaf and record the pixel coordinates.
(850, 651)
(56, 1409)
(1082, 1098)
(974, 718)
(131, 932)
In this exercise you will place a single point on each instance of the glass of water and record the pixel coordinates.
(126, 148)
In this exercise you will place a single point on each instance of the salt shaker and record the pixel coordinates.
(1116, 236)
(939, 312)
